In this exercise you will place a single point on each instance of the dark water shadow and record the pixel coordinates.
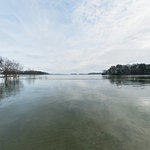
(129, 80)
(9, 88)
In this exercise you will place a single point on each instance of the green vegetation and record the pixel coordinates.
(135, 69)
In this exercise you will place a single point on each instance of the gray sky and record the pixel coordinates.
(75, 35)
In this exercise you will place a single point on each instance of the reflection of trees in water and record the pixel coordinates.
(128, 80)
(10, 87)
(30, 79)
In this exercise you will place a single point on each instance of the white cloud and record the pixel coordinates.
(72, 36)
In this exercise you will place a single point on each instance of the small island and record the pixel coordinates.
(134, 69)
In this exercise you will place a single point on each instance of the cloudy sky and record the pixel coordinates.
(66, 36)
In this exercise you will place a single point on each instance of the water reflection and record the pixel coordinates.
(129, 80)
(9, 88)
(68, 114)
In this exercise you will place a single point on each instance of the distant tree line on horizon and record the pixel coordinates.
(32, 72)
(11, 68)
(134, 69)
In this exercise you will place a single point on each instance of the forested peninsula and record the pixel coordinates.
(134, 69)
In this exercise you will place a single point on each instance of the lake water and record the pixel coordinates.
(75, 113)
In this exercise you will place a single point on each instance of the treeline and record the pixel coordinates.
(94, 73)
(32, 72)
(135, 69)
(11, 68)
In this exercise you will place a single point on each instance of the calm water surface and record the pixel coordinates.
(75, 113)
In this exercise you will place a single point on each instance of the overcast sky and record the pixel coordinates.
(66, 36)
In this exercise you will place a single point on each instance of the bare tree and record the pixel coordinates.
(16, 68)
(9, 67)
